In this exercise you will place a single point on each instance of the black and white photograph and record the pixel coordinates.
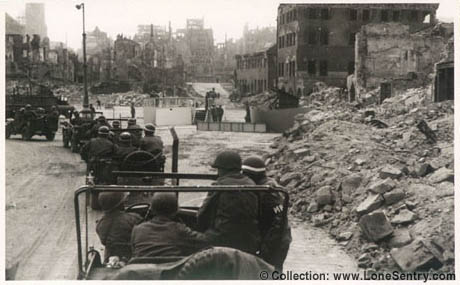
(229, 140)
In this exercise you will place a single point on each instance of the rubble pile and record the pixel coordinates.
(265, 100)
(124, 99)
(380, 179)
(323, 94)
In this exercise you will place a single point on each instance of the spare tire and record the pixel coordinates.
(140, 161)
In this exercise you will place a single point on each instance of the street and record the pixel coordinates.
(42, 176)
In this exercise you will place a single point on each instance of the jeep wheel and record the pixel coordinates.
(50, 136)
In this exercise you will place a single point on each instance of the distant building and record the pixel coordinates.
(96, 42)
(13, 26)
(257, 39)
(256, 72)
(316, 42)
(35, 19)
(197, 44)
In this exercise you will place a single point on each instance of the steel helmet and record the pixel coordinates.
(149, 128)
(28, 107)
(76, 112)
(111, 200)
(164, 203)
(125, 136)
(116, 123)
(101, 119)
(253, 165)
(227, 159)
(131, 121)
(22, 109)
(103, 130)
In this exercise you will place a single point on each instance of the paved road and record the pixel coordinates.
(41, 177)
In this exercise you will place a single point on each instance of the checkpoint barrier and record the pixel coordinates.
(231, 127)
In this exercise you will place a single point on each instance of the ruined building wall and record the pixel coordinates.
(389, 53)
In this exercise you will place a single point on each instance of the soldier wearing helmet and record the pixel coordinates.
(150, 142)
(115, 227)
(124, 146)
(98, 148)
(230, 218)
(135, 131)
(101, 121)
(274, 226)
(163, 235)
(76, 120)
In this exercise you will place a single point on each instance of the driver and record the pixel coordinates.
(162, 235)
(114, 228)
(124, 146)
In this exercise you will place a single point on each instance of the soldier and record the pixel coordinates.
(115, 227)
(98, 148)
(124, 146)
(101, 121)
(162, 235)
(136, 134)
(76, 120)
(150, 142)
(274, 227)
(230, 218)
(29, 115)
(116, 129)
(19, 117)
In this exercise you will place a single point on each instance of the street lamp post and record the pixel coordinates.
(85, 78)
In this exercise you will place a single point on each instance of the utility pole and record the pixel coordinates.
(85, 79)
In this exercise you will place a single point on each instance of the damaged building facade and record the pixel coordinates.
(389, 55)
(256, 72)
(316, 42)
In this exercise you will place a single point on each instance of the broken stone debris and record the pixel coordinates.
(375, 226)
(414, 257)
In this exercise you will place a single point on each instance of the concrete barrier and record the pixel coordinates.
(232, 127)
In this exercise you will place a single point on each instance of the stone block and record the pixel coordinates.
(288, 177)
(442, 174)
(391, 172)
(445, 189)
(404, 217)
(313, 207)
(414, 257)
(423, 169)
(382, 186)
(323, 195)
(393, 196)
(375, 226)
(351, 183)
(372, 202)
(400, 238)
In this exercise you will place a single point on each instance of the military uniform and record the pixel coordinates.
(152, 144)
(230, 218)
(136, 134)
(123, 151)
(99, 148)
(162, 236)
(116, 227)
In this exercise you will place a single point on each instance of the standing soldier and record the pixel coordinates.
(150, 142)
(274, 227)
(230, 218)
(116, 129)
(133, 110)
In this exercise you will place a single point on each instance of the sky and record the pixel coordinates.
(225, 17)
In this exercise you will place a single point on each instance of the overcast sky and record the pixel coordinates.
(64, 21)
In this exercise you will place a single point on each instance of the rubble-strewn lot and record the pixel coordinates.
(373, 180)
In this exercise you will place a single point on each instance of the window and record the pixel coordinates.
(353, 15)
(293, 39)
(312, 13)
(294, 15)
(323, 68)
(325, 14)
(351, 40)
(324, 37)
(414, 15)
(384, 15)
(366, 15)
(311, 67)
(312, 37)
(279, 43)
(396, 15)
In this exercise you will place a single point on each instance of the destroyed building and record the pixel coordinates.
(125, 50)
(256, 72)
(35, 19)
(257, 39)
(388, 54)
(200, 45)
(316, 41)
